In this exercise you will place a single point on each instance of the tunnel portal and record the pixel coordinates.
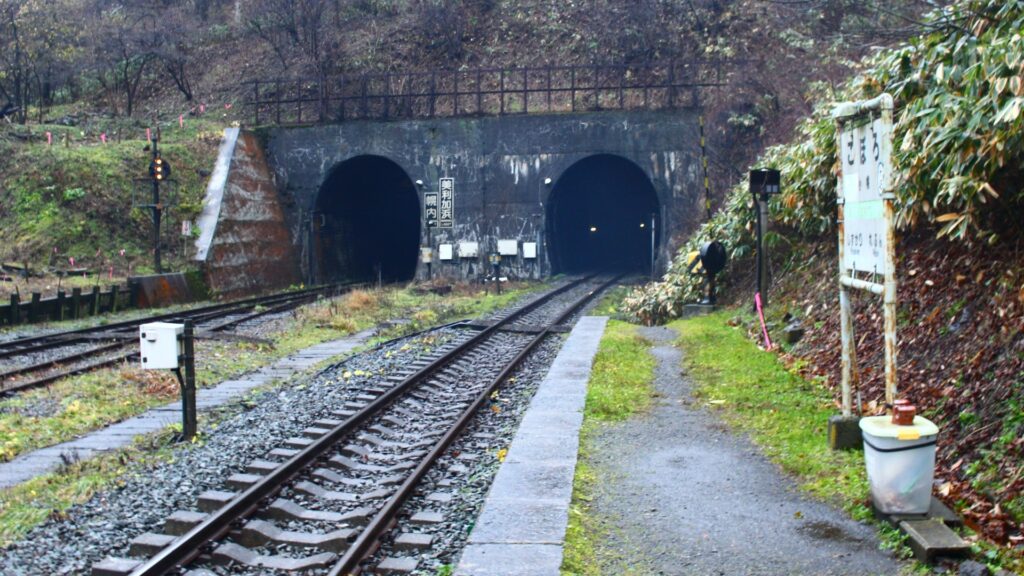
(599, 216)
(367, 223)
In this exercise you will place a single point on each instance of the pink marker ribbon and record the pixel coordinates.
(760, 314)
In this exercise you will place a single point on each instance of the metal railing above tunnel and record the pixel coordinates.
(479, 92)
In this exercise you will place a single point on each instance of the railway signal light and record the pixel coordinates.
(159, 169)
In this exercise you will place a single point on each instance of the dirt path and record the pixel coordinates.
(686, 497)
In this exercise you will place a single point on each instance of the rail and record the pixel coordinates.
(217, 523)
(478, 92)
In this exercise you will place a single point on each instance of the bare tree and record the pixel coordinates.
(124, 45)
(15, 73)
(296, 29)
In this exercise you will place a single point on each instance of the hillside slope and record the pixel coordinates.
(959, 158)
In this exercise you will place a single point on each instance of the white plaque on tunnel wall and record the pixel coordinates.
(529, 250)
(444, 251)
(508, 247)
(866, 162)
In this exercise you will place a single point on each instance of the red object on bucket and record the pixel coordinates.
(903, 413)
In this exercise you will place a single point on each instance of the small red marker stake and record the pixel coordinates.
(764, 328)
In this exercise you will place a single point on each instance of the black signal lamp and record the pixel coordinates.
(765, 182)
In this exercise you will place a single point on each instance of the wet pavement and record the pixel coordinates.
(684, 496)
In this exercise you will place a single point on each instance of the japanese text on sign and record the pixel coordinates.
(430, 209)
(446, 212)
(865, 155)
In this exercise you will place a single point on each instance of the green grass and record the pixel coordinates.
(622, 375)
(611, 303)
(78, 199)
(621, 384)
(784, 414)
(31, 503)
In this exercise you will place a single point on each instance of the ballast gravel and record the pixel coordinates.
(106, 523)
(109, 520)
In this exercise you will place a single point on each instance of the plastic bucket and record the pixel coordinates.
(900, 463)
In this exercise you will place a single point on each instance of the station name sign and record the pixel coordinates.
(865, 155)
(438, 207)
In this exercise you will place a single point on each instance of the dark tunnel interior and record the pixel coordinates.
(599, 216)
(367, 222)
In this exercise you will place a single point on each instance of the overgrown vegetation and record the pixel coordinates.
(73, 206)
(957, 149)
(959, 158)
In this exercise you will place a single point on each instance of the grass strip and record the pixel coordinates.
(621, 384)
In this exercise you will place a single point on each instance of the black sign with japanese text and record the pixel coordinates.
(446, 206)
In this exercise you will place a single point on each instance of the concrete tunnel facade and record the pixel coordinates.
(529, 185)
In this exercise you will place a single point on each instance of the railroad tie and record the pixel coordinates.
(335, 478)
(260, 533)
(283, 509)
(213, 500)
(227, 553)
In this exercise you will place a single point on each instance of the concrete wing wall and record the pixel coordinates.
(245, 246)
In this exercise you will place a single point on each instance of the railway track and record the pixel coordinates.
(339, 487)
(40, 360)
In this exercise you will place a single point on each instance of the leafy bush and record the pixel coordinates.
(958, 149)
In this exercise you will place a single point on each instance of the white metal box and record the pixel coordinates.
(508, 247)
(468, 249)
(160, 345)
(445, 251)
(529, 250)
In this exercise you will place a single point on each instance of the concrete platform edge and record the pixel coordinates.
(521, 530)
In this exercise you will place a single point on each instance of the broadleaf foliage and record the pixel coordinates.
(958, 149)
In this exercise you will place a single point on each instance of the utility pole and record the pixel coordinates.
(654, 255)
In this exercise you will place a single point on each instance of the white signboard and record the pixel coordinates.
(468, 249)
(529, 250)
(430, 209)
(865, 155)
(508, 247)
(445, 251)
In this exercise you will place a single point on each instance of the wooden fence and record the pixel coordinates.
(66, 306)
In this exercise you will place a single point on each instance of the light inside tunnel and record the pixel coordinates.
(598, 216)
(367, 223)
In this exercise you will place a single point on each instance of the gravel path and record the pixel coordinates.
(685, 496)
